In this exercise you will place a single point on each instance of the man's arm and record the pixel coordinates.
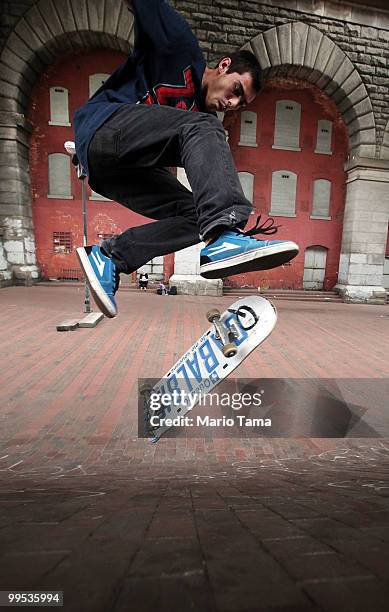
(163, 25)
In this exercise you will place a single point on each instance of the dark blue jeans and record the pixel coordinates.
(128, 160)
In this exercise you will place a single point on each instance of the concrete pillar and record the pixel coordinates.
(186, 275)
(17, 245)
(365, 230)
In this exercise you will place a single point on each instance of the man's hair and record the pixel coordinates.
(245, 61)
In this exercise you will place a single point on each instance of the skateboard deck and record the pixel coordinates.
(232, 336)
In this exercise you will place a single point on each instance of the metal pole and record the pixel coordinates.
(87, 308)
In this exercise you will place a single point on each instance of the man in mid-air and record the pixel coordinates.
(158, 110)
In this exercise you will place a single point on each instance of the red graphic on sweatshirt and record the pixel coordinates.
(181, 104)
(178, 96)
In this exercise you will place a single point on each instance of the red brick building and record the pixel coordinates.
(312, 151)
(300, 181)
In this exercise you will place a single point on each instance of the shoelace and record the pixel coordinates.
(116, 279)
(267, 227)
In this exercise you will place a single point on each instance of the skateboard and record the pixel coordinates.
(232, 336)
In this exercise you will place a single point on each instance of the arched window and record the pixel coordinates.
(248, 129)
(59, 106)
(321, 199)
(247, 182)
(324, 136)
(59, 176)
(96, 81)
(283, 193)
(287, 127)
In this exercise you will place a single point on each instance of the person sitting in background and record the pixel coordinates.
(162, 290)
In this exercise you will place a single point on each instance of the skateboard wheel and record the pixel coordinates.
(229, 350)
(214, 313)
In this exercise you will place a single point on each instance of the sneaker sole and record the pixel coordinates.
(265, 258)
(103, 302)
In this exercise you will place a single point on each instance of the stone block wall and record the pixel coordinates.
(5, 271)
(225, 25)
(18, 245)
(364, 235)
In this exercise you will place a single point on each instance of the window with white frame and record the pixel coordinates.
(283, 193)
(59, 176)
(248, 129)
(287, 125)
(323, 137)
(321, 199)
(59, 106)
(96, 81)
(247, 182)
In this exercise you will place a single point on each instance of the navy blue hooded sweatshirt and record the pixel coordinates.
(166, 67)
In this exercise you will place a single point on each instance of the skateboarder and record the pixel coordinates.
(140, 122)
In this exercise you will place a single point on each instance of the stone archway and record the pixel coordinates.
(52, 28)
(47, 31)
(301, 51)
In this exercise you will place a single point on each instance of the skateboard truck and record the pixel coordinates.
(222, 333)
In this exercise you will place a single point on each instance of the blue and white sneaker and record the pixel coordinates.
(102, 277)
(234, 252)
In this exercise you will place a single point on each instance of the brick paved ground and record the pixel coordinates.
(186, 524)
